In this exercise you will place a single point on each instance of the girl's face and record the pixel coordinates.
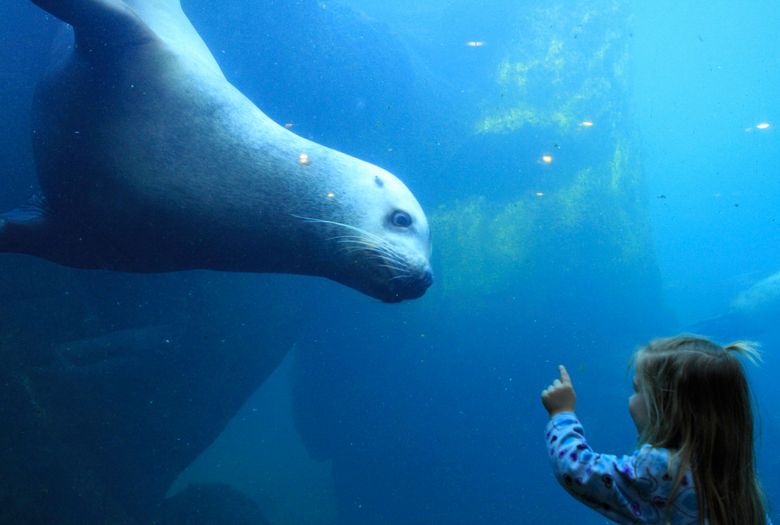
(637, 408)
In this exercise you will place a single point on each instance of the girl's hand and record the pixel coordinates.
(560, 396)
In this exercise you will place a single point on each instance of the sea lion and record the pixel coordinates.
(753, 313)
(149, 160)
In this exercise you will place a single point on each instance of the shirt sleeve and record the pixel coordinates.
(625, 489)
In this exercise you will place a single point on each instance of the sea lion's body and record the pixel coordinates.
(150, 160)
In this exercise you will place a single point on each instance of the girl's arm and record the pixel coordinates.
(628, 489)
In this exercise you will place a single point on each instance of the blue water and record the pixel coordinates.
(428, 411)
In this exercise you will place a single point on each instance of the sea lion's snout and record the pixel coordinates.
(427, 278)
(411, 287)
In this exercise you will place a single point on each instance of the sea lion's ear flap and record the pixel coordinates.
(99, 23)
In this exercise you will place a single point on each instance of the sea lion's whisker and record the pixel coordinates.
(359, 242)
(394, 257)
(383, 250)
(374, 246)
(392, 267)
(389, 255)
(343, 225)
(355, 246)
(349, 238)
(389, 260)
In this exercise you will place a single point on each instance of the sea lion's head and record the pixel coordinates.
(376, 233)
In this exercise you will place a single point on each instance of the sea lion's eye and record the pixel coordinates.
(401, 219)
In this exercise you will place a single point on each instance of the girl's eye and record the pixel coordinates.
(401, 219)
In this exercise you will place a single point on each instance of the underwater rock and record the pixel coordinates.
(99, 433)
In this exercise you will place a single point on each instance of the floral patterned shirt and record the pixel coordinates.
(629, 489)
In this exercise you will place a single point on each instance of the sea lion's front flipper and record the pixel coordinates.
(106, 25)
(25, 229)
(99, 22)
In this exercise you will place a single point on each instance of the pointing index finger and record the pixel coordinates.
(565, 378)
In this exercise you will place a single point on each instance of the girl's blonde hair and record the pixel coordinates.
(699, 405)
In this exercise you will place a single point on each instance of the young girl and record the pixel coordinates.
(691, 406)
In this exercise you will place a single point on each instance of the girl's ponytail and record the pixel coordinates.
(747, 349)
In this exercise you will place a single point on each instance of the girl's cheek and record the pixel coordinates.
(636, 409)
